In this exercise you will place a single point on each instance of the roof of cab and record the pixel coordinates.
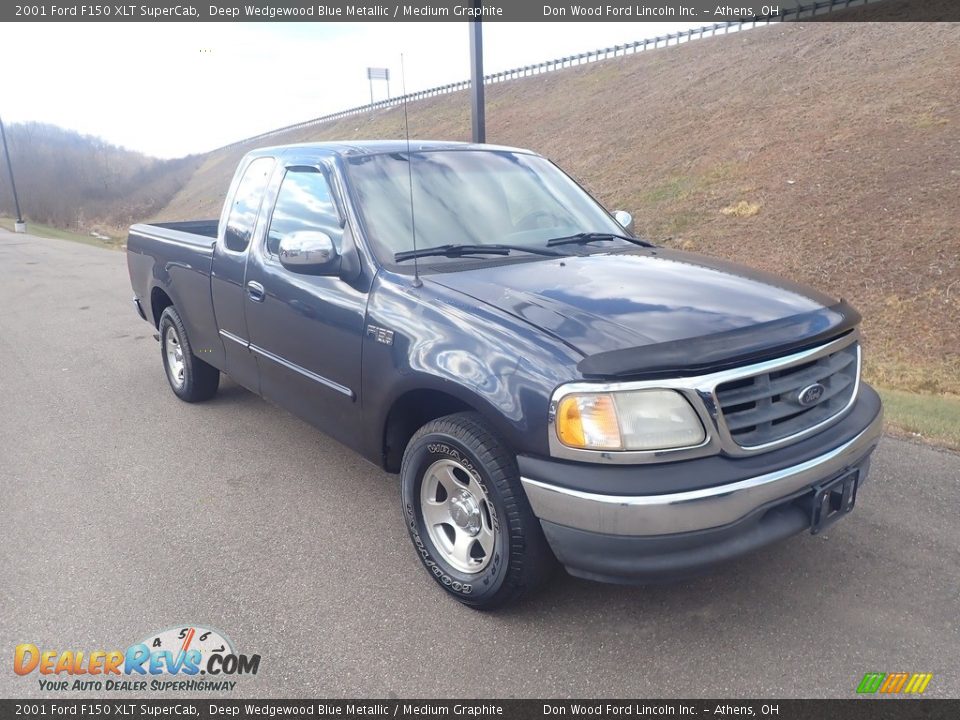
(381, 147)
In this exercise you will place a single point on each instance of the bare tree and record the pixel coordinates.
(79, 181)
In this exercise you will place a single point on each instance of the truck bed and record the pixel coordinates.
(196, 232)
(174, 259)
(207, 228)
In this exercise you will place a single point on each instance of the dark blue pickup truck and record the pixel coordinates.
(548, 386)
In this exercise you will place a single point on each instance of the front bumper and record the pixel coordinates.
(641, 537)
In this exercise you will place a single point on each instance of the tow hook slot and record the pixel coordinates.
(832, 500)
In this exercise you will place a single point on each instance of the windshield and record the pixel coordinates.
(477, 197)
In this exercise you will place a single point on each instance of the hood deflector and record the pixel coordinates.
(723, 350)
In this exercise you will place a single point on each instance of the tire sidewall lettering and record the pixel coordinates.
(441, 448)
(489, 579)
(428, 561)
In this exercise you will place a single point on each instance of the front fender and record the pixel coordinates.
(499, 365)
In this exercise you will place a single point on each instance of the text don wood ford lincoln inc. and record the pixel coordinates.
(191, 658)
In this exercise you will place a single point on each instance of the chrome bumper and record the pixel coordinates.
(646, 515)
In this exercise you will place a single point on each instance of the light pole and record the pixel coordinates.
(479, 120)
(19, 225)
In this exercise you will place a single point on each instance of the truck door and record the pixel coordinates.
(228, 286)
(307, 330)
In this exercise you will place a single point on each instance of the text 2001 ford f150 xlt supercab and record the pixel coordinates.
(546, 384)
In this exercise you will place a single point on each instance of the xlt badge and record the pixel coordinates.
(381, 335)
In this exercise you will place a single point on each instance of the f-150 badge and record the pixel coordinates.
(381, 335)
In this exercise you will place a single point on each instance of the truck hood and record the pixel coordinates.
(604, 303)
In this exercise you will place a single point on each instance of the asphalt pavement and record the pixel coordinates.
(124, 511)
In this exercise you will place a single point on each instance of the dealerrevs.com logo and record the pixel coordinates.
(191, 658)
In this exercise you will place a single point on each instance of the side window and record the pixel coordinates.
(305, 202)
(246, 204)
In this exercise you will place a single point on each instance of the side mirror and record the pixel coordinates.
(625, 219)
(309, 251)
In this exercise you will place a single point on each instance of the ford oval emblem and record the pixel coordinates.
(811, 394)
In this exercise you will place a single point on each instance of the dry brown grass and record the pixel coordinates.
(742, 209)
(846, 134)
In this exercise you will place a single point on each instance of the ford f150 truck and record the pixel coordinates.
(548, 385)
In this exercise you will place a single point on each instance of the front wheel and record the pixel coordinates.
(468, 516)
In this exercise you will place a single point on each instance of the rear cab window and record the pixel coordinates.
(246, 204)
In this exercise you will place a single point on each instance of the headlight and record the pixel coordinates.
(631, 420)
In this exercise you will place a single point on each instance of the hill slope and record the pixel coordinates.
(83, 183)
(826, 152)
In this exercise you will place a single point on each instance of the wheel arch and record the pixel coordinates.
(159, 301)
(414, 408)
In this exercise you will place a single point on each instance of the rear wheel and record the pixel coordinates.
(468, 516)
(190, 378)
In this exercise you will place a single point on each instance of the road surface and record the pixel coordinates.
(125, 511)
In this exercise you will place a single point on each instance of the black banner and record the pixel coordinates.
(853, 709)
(693, 11)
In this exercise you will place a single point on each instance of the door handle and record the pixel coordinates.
(256, 292)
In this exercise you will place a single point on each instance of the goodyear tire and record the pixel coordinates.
(467, 514)
(190, 378)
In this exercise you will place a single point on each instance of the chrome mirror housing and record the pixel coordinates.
(625, 219)
(310, 251)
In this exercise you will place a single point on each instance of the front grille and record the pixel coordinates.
(766, 408)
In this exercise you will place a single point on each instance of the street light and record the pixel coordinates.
(19, 225)
(478, 114)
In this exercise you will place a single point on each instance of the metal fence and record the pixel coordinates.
(799, 12)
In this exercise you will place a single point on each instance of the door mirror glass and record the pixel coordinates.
(625, 219)
(309, 251)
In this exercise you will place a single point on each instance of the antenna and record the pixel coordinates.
(413, 221)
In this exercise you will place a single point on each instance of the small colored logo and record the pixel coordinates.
(191, 652)
(894, 683)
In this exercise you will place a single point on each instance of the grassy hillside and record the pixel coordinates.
(47, 231)
(826, 152)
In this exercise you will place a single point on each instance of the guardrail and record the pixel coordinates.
(661, 41)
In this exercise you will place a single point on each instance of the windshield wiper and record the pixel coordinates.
(462, 250)
(588, 237)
